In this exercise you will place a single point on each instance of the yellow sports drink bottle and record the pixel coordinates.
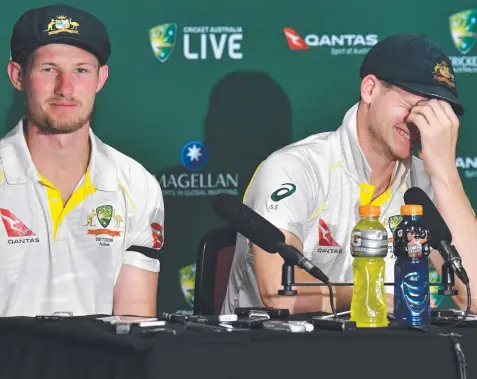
(369, 246)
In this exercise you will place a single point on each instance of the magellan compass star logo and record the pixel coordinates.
(163, 40)
(463, 29)
(194, 155)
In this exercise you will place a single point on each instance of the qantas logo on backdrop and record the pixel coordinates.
(326, 242)
(295, 42)
(339, 44)
(16, 229)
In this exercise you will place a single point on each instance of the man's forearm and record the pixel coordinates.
(317, 298)
(308, 298)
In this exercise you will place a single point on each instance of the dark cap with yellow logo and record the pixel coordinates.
(59, 24)
(415, 64)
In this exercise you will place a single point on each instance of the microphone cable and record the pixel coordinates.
(332, 300)
(467, 311)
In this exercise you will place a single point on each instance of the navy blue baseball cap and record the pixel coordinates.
(59, 24)
(416, 64)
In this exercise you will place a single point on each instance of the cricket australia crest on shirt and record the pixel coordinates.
(104, 222)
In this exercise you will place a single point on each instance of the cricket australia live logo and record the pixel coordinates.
(198, 42)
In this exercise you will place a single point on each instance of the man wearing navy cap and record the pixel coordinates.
(82, 223)
(312, 189)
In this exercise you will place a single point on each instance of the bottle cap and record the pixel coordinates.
(370, 210)
(411, 210)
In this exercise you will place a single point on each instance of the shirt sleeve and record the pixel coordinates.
(283, 191)
(147, 234)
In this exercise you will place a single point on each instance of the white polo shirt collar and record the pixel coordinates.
(19, 167)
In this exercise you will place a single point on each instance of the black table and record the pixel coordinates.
(86, 348)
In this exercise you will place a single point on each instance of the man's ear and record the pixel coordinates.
(14, 70)
(102, 76)
(370, 87)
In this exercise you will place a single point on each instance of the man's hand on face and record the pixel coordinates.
(438, 126)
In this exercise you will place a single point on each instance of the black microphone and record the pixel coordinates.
(440, 235)
(262, 233)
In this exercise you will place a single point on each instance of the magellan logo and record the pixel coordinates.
(326, 242)
(198, 42)
(16, 229)
(463, 32)
(340, 44)
(194, 157)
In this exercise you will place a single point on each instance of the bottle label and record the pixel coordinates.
(414, 241)
(369, 243)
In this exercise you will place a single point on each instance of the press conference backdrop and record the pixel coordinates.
(200, 92)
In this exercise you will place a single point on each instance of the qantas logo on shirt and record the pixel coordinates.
(157, 237)
(326, 242)
(15, 228)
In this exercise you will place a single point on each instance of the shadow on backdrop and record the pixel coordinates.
(248, 117)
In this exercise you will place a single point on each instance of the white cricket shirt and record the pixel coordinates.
(313, 188)
(56, 257)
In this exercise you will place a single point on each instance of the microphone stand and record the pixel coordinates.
(288, 281)
(447, 281)
(288, 278)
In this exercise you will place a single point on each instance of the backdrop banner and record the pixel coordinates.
(201, 92)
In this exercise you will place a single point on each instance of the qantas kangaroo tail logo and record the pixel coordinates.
(295, 42)
(325, 235)
(13, 226)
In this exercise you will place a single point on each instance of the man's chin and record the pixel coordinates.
(402, 155)
(61, 128)
(63, 125)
